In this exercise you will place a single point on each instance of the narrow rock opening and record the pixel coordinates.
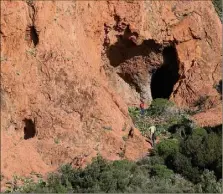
(34, 35)
(29, 129)
(165, 77)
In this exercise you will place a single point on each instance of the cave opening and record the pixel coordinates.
(34, 35)
(165, 77)
(132, 58)
(29, 129)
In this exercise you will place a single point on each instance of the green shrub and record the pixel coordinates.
(217, 167)
(182, 185)
(203, 148)
(175, 184)
(218, 7)
(167, 147)
(182, 128)
(149, 175)
(182, 165)
(161, 171)
(107, 177)
(159, 107)
(216, 129)
(209, 184)
(194, 143)
(190, 151)
(134, 112)
(55, 184)
(156, 167)
(56, 141)
(102, 176)
(149, 162)
(213, 147)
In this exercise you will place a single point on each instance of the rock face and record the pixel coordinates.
(178, 54)
(69, 70)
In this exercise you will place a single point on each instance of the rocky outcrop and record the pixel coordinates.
(69, 70)
(177, 55)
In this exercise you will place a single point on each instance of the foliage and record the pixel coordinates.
(161, 170)
(167, 147)
(189, 156)
(161, 113)
(209, 184)
(134, 113)
(28, 185)
(216, 129)
(205, 150)
(188, 149)
(218, 7)
(149, 175)
(182, 129)
(182, 165)
(146, 176)
(159, 106)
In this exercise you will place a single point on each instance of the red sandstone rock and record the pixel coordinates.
(64, 81)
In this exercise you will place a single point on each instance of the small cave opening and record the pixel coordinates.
(165, 77)
(34, 35)
(29, 129)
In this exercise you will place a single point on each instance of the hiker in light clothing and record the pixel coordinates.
(152, 134)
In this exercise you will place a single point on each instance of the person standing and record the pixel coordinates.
(152, 134)
(142, 108)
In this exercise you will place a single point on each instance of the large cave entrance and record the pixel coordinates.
(135, 59)
(165, 77)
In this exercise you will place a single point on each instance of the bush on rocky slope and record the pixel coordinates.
(149, 175)
(117, 176)
(193, 154)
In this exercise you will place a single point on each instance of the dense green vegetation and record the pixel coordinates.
(218, 7)
(187, 159)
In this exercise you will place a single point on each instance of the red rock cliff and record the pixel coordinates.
(70, 68)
